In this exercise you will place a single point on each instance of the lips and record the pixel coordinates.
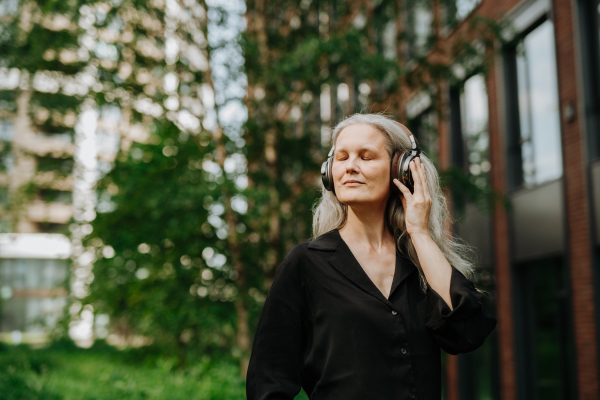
(349, 182)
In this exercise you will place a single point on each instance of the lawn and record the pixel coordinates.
(64, 372)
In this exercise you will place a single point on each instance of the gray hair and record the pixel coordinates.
(330, 213)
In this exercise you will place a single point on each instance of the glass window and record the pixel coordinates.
(538, 106)
(9, 7)
(418, 27)
(474, 128)
(33, 273)
(454, 11)
(7, 130)
(545, 341)
(478, 372)
(51, 195)
(32, 277)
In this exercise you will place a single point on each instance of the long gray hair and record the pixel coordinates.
(330, 213)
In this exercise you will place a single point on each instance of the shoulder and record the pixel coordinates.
(326, 242)
(292, 262)
(303, 254)
(296, 254)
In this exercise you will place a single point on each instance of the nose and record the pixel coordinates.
(351, 164)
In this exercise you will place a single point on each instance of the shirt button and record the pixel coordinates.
(403, 350)
(412, 395)
(394, 312)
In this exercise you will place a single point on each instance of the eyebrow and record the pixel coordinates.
(373, 149)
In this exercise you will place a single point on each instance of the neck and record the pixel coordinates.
(366, 225)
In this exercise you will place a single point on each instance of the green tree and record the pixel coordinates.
(179, 260)
(165, 274)
(162, 270)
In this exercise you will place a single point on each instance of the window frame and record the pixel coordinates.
(514, 155)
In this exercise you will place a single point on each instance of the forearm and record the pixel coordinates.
(434, 264)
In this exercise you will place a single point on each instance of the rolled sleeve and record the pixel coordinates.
(465, 327)
(274, 370)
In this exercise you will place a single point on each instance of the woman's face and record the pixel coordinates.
(361, 166)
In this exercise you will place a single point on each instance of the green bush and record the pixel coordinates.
(64, 372)
(20, 373)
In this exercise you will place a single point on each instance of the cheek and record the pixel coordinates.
(379, 174)
(337, 170)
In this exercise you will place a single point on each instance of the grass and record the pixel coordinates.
(69, 373)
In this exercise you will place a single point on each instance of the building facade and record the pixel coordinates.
(37, 184)
(524, 116)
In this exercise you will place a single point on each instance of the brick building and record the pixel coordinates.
(529, 122)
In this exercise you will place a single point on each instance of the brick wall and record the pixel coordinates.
(576, 200)
(577, 208)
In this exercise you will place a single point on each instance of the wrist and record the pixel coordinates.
(420, 236)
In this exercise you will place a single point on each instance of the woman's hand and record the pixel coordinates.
(416, 205)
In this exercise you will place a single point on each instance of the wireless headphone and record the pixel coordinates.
(400, 168)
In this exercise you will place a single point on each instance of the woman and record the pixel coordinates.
(362, 311)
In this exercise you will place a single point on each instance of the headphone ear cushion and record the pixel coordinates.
(330, 174)
(395, 170)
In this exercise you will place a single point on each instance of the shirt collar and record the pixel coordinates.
(344, 261)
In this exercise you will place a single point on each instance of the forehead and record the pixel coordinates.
(359, 136)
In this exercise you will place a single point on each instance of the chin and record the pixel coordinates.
(357, 199)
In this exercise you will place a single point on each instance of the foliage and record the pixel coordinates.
(19, 369)
(169, 204)
(162, 287)
(61, 166)
(178, 260)
(6, 156)
(465, 189)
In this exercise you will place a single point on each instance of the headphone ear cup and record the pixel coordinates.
(404, 173)
(326, 175)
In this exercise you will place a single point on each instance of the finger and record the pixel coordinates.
(416, 179)
(405, 191)
(424, 180)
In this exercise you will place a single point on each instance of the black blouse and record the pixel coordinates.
(326, 327)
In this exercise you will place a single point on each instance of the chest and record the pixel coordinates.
(347, 315)
(380, 269)
(344, 298)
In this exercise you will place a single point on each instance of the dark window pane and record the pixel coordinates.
(545, 334)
